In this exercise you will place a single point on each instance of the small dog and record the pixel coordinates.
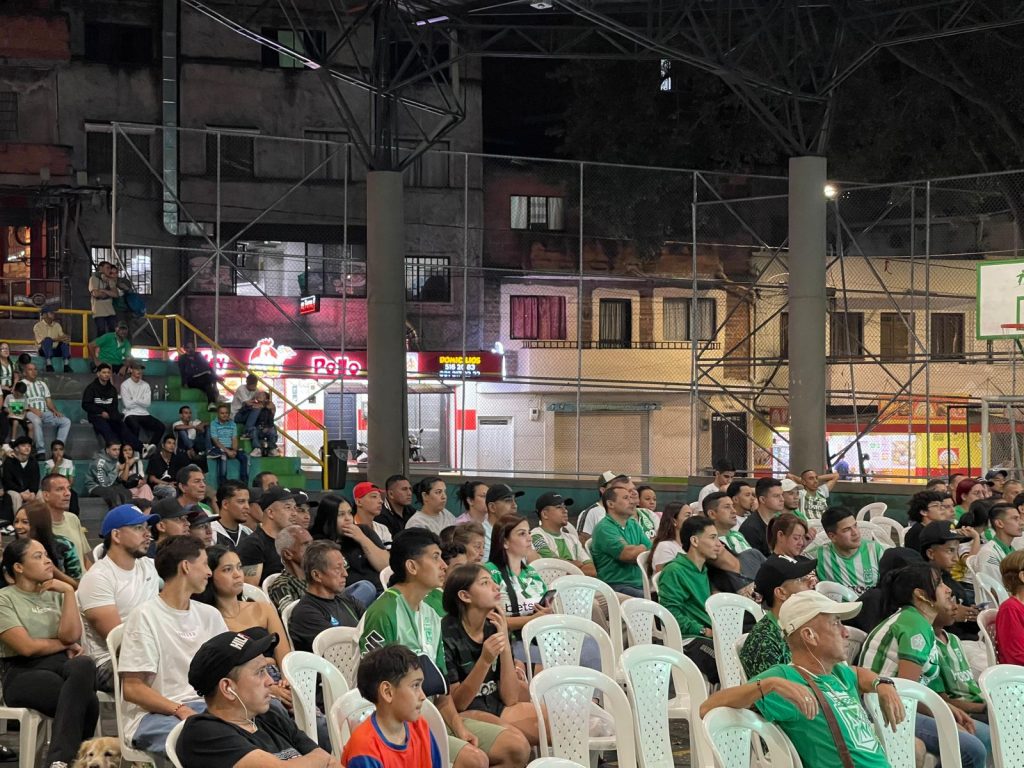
(104, 752)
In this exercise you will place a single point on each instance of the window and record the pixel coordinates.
(316, 153)
(427, 279)
(948, 334)
(118, 43)
(847, 334)
(237, 153)
(784, 335)
(137, 261)
(8, 116)
(430, 169)
(894, 335)
(533, 212)
(99, 158)
(676, 319)
(309, 44)
(297, 269)
(615, 324)
(537, 317)
(666, 75)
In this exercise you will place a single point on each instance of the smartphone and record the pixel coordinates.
(548, 598)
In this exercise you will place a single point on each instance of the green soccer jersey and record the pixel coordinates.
(609, 540)
(648, 522)
(112, 349)
(735, 541)
(955, 678)
(390, 619)
(563, 545)
(812, 738)
(527, 589)
(907, 636)
(683, 589)
(859, 572)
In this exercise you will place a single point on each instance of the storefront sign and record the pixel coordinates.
(455, 365)
(309, 304)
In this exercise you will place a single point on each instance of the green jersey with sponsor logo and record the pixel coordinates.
(859, 571)
(905, 635)
(955, 678)
(736, 542)
(390, 619)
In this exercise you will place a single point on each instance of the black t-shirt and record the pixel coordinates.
(460, 656)
(258, 549)
(913, 538)
(206, 740)
(164, 470)
(312, 615)
(392, 521)
(358, 564)
(755, 531)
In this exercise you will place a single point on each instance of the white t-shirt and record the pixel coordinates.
(706, 491)
(106, 583)
(591, 517)
(161, 641)
(383, 533)
(435, 523)
(136, 397)
(665, 553)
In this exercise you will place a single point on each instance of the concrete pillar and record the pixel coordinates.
(807, 207)
(385, 318)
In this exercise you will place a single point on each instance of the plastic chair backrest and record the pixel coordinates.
(553, 762)
(560, 640)
(254, 593)
(646, 670)
(97, 552)
(736, 648)
(562, 698)
(551, 568)
(437, 728)
(128, 753)
(340, 646)
(286, 617)
(872, 510)
(344, 716)
(899, 745)
(729, 732)
(992, 590)
(894, 530)
(385, 576)
(172, 744)
(268, 581)
(641, 560)
(836, 591)
(727, 612)
(872, 532)
(302, 669)
(1002, 687)
(854, 642)
(575, 597)
(987, 634)
(639, 616)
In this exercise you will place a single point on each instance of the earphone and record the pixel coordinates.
(232, 691)
(812, 636)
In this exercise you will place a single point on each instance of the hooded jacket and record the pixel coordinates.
(102, 472)
(99, 398)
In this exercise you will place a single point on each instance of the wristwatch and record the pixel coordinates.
(882, 681)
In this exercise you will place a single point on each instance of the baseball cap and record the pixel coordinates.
(788, 485)
(551, 499)
(992, 474)
(121, 325)
(805, 606)
(201, 514)
(222, 653)
(23, 440)
(168, 509)
(136, 364)
(123, 515)
(938, 532)
(777, 569)
(362, 489)
(501, 491)
(606, 477)
(275, 494)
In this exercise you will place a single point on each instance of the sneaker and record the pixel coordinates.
(148, 450)
(49, 368)
(68, 368)
(276, 452)
(255, 453)
(211, 407)
(58, 764)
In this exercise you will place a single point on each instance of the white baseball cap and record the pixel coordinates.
(805, 606)
(788, 485)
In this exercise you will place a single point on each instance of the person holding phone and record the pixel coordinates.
(482, 676)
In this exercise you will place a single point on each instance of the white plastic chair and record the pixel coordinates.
(727, 612)
(729, 732)
(302, 669)
(990, 589)
(172, 744)
(1002, 687)
(873, 510)
(254, 593)
(896, 532)
(33, 729)
(854, 642)
(551, 568)
(286, 617)
(575, 596)
(641, 560)
(553, 762)
(340, 646)
(560, 640)
(872, 532)
(987, 634)
(647, 670)
(736, 648)
(97, 552)
(385, 576)
(899, 745)
(562, 698)
(269, 580)
(128, 753)
(345, 715)
(640, 615)
(836, 591)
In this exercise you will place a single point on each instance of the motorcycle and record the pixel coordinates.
(416, 447)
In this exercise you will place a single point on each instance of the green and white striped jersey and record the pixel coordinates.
(905, 635)
(736, 542)
(859, 572)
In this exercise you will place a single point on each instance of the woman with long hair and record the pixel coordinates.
(33, 521)
(666, 544)
(904, 645)
(131, 474)
(479, 651)
(787, 536)
(432, 495)
(363, 550)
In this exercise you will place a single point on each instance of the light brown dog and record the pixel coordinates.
(104, 752)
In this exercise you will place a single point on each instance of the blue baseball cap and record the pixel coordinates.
(126, 514)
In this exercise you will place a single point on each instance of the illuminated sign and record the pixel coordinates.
(472, 365)
(309, 304)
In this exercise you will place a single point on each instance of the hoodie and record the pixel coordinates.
(98, 398)
(102, 472)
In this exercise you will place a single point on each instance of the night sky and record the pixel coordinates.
(521, 103)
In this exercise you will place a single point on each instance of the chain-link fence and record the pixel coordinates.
(568, 318)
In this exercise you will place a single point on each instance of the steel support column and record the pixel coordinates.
(807, 207)
(388, 413)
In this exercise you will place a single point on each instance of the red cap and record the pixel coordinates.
(362, 489)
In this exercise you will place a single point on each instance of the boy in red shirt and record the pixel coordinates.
(395, 736)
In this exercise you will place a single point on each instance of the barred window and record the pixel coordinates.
(237, 153)
(8, 116)
(138, 263)
(427, 278)
(536, 212)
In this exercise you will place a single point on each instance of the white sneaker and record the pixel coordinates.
(255, 453)
(148, 449)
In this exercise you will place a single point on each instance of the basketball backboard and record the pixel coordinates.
(1000, 310)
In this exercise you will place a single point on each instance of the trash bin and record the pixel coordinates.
(337, 464)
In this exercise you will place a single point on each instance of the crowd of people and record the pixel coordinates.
(446, 620)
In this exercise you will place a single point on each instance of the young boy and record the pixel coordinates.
(224, 437)
(395, 736)
(16, 404)
(58, 464)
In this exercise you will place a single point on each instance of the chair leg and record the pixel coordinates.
(28, 740)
